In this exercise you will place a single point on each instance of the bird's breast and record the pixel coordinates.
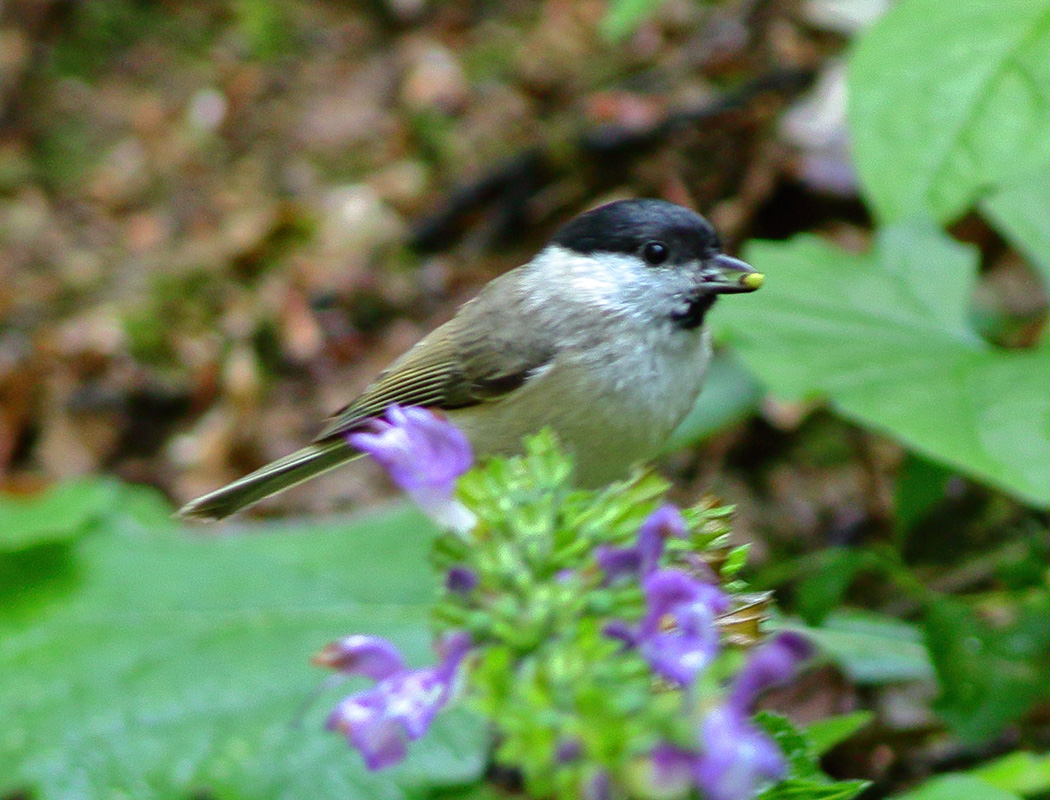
(611, 405)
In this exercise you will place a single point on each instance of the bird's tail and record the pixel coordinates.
(274, 477)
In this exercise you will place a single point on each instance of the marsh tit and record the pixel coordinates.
(601, 337)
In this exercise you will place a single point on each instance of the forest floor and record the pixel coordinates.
(219, 221)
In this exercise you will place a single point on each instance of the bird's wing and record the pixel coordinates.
(482, 354)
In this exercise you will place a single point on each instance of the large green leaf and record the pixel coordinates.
(921, 484)
(1022, 212)
(949, 100)
(827, 733)
(952, 787)
(166, 664)
(870, 648)
(56, 516)
(885, 337)
(1022, 772)
(828, 575)
(989, 676)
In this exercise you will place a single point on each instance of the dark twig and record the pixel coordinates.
(26, 26)
(511, 184)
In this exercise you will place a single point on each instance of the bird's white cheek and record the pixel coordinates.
(597, 288)
(598, 282)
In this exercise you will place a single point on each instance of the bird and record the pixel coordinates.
(599, 337)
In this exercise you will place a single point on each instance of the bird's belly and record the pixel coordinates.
(607, 418)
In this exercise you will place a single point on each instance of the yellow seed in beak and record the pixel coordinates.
(753, 280)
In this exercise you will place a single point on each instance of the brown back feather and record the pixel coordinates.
(483, 353)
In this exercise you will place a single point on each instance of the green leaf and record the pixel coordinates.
(170, 665)
(884, 336)
(801, 757)
(1021, 772)
(949, 101)
(57, 515)
(827, 733)
(1021, 212)
(805, 781)
(989, 677)
(921, 484)
(730, 394)
(624, 17)
(821, 588)
(266, 27)
(479, 792)
(802, 789)
(952, 787)
(870, 648)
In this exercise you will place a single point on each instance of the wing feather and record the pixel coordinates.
(486, 351)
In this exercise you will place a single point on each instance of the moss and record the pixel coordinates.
(192, 301)
(491, 57)
(266, 27)
(147, 338)
(96, 32)
(435, 134)
(94, 35)
(63, 153)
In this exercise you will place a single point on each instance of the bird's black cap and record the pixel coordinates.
(626, 226)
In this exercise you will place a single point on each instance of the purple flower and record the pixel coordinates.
(670, 771)
(678, 635)
(568, 750)
(618, 629)
(401, 706)
(642, 559)
(599, 787)
(461, 580)
(369, 656)
(362, 718)
(564, 575)
(663, 523)
(772, 664)
(677, 593)
(736, 758)
(424, 455)
(680, 650)
(679, 656)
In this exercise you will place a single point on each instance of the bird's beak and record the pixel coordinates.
(727, 275)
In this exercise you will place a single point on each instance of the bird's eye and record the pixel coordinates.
(655, 253)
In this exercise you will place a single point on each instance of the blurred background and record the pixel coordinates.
(220, 220)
